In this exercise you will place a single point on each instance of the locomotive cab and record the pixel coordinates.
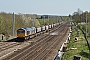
(21, 33)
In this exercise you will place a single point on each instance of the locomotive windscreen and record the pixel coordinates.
(20, 31)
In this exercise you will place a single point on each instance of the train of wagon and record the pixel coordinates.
(27, 33)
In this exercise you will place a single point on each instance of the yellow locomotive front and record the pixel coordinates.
(21, 33)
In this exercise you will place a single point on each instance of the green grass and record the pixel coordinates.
(41, 22)
(89, 39)
(45, 22)
(82, 48)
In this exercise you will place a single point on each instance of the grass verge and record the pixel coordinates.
(80, 45)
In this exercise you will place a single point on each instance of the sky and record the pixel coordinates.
(47, 7)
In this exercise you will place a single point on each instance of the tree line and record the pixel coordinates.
(80, 18)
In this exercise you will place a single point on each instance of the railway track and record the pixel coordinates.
(43, 45)
(46, 50)
(7, 45)
(13, 46)
(26, 50)
(54, 45)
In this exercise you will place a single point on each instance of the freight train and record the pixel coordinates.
(27, 33)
